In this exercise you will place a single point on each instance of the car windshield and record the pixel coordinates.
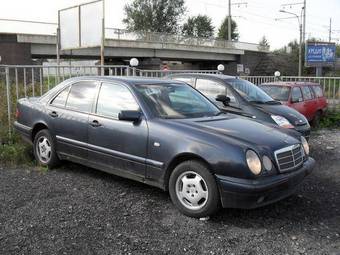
(249, 91)
(280, 93)
(174, 101)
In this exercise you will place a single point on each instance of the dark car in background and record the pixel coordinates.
(305, 97)
(242, 97)
(166, 134)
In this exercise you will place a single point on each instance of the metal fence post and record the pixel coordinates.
(8, 101)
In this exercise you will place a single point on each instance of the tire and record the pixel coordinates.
(316, 120)
(193, 189)
(44, 149)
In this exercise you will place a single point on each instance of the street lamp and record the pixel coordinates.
(300, 42)
(134, 63)
(220, 68)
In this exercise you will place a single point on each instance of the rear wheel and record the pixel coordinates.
(44, 149)
(316, 120)
(193, 189)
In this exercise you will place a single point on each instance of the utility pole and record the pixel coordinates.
(304, 22)
(330, 30)
(229, 21)
(229, 16)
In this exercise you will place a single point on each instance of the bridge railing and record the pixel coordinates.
(164, 38)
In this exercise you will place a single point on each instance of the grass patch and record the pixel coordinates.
(330, 120)
(16, 154)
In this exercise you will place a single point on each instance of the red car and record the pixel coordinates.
(305, 97)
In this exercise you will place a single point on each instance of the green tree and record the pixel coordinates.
(223, 30)
(264, 44)
(154, 15)
(199, 26)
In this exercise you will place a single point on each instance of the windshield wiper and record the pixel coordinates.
(273, 102)
(256, 102)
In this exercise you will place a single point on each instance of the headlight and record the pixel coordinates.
(282, 121)
(267, 163)
(305, 145)
(254, 162)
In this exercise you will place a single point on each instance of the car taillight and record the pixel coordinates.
(17, 113)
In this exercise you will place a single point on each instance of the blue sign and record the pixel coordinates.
(320, 54)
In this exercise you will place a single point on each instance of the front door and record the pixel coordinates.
(114, 144)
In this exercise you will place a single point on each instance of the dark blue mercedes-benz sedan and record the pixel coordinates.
(167, 134)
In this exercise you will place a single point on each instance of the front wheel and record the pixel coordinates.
(193, 189)
(44, 149)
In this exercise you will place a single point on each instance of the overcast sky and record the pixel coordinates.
(254, 20)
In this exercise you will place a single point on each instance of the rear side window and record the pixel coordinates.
(296, 94)
(189, 81)
(317, 91)
(114, 98)
(60, 99)
(81, 96)
(307, 94)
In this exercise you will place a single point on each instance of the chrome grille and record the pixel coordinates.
(289, 158)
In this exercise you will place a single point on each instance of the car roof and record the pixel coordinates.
(291, 83)
(201, 75)
(131, 80)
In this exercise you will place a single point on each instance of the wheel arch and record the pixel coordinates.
(36, 128)
(180, 159)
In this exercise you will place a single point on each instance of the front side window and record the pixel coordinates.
(60, 99)
(81, 96)
(307, 94)
(187, 80)
(249, 91)
(279, 93)
(176, 101)
(296, 94)
(210, 88)
(114, 98)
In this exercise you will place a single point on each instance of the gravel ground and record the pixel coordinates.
(76, 210)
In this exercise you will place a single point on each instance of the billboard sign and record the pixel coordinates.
(81, 26)
(320, 54)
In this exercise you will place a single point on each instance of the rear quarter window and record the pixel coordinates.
(317, 91)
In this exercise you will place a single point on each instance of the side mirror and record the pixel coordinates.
(133, 116)
(224, 99)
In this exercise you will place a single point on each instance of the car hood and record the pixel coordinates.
(294, 117)
(243, 130)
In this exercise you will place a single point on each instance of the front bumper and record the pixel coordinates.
(247, 194)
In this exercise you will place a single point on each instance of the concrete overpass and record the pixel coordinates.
(121, 45)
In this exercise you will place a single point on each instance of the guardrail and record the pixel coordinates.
(17, 81)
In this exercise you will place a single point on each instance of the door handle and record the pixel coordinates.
(95, 123)
(53, 114)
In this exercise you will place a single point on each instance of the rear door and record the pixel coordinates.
(117, 145)
(68, 115)
(211, 89)
(297, 100)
